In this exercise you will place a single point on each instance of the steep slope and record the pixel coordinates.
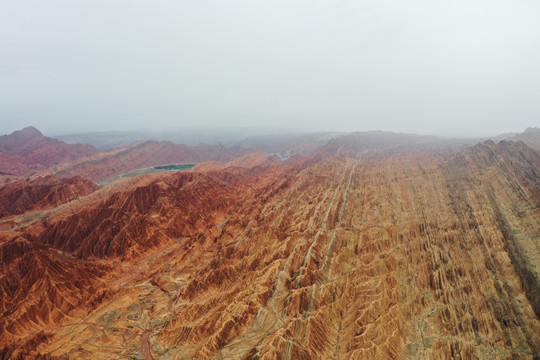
(42, 287)
(132, 222)
(520, 171)
(150, 153)
(364, 255)
(40, 193)
(26, 151)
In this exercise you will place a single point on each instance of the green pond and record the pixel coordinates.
(174, 167)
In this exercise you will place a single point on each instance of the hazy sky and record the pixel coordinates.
(461, 67)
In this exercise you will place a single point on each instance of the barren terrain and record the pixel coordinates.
(420, 255)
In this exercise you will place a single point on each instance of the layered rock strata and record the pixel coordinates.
(347, 255)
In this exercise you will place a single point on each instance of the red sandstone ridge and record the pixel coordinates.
(41, 193)
(42, 287)
(255, 159)
(151, 153)
(129, 223)
(27, 151)
(352, 254)
(247, 162)
(208, 166)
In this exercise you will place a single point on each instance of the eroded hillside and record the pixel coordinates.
(345, 255)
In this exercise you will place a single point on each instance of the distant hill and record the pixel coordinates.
(26, 151)
(226, 136)
(150, 153)
(531, 137)
(364, 142)
(247, 162)
(284, 144)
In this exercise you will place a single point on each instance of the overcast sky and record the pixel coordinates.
(461, 67)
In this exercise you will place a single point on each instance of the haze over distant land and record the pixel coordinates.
(456, 68)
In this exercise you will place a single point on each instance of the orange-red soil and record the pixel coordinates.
(349, 254)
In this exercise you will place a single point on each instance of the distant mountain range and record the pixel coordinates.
(277, 142)
(27, 152)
